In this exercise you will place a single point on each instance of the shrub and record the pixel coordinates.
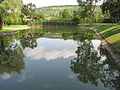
(14, 21)
(76, 20)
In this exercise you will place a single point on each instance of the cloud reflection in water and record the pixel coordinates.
(52, 50)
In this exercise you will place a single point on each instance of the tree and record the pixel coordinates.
(65, 13)
(88, 5)
(9, 7)
(113, 8)
(1, 16)
(29, 10)
(79, 14)
(12, 6)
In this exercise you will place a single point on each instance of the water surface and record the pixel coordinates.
(56, 58)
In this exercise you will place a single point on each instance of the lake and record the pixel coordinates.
(56, 58)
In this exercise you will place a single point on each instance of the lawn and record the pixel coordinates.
(115, 39)
(10, 28)
(110, 31)
(15, 26)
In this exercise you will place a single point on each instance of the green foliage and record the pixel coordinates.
(55, 10)
(12, 5)
(112, 7)
(10, 12)
(76, 20)
(64, 14)
(60, 21)
(88, 6)
(11, 20)
(29, 10)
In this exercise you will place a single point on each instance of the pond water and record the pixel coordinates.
(56, 58)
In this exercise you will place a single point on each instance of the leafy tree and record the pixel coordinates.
(1, 15)
(29, 10)
(113, 8)
(88, 5)
(65, 13)
(79, 14)
(10, 7)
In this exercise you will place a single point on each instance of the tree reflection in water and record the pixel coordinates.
(11, 52)
(94, 66)
(11, 56)
(29, 40)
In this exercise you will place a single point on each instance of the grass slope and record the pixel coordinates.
(111, 32)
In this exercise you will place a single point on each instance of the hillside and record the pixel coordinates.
(54, 10)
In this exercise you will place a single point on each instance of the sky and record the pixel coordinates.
(44, 3)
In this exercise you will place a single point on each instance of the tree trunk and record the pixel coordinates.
(91, 17)
(1, 24)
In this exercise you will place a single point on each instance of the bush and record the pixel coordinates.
(13, 21)
(76, 20)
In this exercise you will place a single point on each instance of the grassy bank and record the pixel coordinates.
(10, 28)
(110, 31)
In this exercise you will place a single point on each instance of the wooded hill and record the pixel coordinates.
(54, 10)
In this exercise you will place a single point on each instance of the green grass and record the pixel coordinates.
(110, 31)
(15, 26)
(115, 39)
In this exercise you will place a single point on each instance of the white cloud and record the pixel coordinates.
(5, 76)
(42, 53)
(43, 3)
(51, 49)
(96, 44)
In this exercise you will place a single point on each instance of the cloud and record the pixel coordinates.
(42, 53)
(5, 76)
(96, 44)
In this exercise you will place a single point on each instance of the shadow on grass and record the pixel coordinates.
(111, 32)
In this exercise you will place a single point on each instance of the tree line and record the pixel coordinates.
(15, 12)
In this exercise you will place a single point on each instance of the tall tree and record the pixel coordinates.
(89, 5)
(65, 13)
(113, 8)
(29, 10)
(9, 6)
(0, 16)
